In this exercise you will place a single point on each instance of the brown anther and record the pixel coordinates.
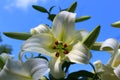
(57, 54)
(66, 52)
(56, 43)
(65, 45)
(54, 47)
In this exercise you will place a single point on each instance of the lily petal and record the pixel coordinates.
(79, 54)
(63, 26)
(41, 43)
(116, 59)
(33, 69)
(98, 66)
(42, 28)
(37, 67)
(110, 44)
(117, 71)
(13, 70)
(56, 68)
(78, 36)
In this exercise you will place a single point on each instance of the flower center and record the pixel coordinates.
(61, 49)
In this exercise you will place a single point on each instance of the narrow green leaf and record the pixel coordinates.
(66, 65)
(5, 48)
(116, 24)
(82, 18)
(72, 8)
(96, 46)
(51, 17)
(63, 9)
(40, 56)
(51, 9)
(2, 62)
(18, 35)
(40, 8)
(91, 38)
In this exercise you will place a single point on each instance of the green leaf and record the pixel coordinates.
(2, 62)
(51, 17)
(66, 65)
(40, 8)
(81, 73)
(116, 24)
(18, 35)
(63, 9)
(5, 48)
(91, 38)
(96, 46)
(82, 18)
(51, 9)
(40, 56)
(72, 8)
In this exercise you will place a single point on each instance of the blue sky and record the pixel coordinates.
(19, 16)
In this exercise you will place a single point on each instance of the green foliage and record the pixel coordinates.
(96, 46)
(18, 35)
(51, 16)
(91, 38)
(116, 24)
(81, 73)
(40, 8)
(5, 48)
(2, 62)
(72, 8)
(24, 36)
(40, 56)
(51, 9)
(82, 18)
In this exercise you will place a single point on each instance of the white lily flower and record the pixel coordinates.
(105, 72)
(61, 42)
(32, 69)
(111, 70)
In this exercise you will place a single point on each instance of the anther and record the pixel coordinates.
(54, 47)
(56, 43)
(66, 52)
(65, 45)
(57, 54)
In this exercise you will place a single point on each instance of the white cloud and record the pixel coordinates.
(22, 4)
(25, 3)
